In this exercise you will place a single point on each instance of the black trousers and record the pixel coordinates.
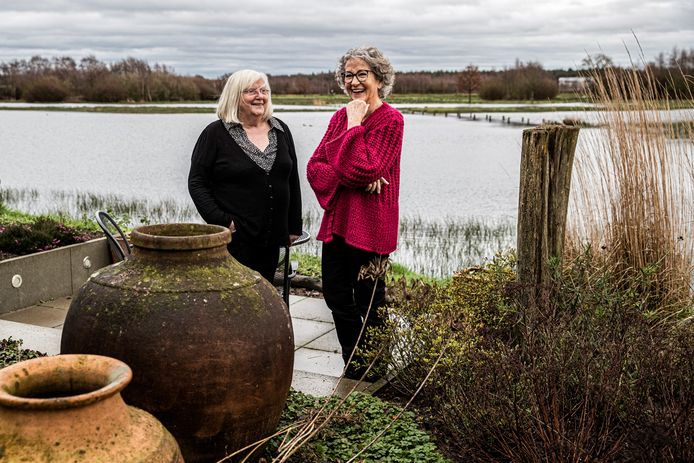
(259, 258)
(347, 296)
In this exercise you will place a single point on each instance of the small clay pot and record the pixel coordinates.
(68, 408)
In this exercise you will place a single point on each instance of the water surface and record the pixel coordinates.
(459, 178)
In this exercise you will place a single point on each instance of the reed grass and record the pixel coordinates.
(80, 204)
(431, 247)
(437, 247)
(633, 183)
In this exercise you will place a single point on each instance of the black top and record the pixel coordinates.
(225, 185)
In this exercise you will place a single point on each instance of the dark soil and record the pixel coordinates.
(305, 292)
(6, 255)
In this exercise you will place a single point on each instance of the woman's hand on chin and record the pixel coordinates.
(356, 110)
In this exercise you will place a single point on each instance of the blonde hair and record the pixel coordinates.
(228, 104)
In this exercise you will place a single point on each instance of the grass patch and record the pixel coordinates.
(316, 100)
(81, 206)
(10, 216)
(491, 109)
(309, 264)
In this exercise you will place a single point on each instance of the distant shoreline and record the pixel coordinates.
(433, 103)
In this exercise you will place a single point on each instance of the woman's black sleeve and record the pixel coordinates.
(200, 181)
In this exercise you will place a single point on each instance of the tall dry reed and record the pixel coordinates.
(633, 182)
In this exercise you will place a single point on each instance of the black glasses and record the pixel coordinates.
(361, 76)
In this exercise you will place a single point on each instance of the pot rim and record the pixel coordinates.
(108, 377)
(180, 236)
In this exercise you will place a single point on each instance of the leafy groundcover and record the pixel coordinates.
(353, 426)
(11, 351)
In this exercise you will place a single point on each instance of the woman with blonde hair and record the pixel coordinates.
(243, 174)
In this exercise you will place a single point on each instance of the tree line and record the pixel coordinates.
(40, 79)
(63, 79)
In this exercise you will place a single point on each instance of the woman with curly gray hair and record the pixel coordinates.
(355, 174)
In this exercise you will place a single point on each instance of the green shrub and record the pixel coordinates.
(591, 373)
(428, 318)
(357, 421)
(42, 234)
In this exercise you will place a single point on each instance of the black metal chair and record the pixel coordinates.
(120, 250)
(289, 267)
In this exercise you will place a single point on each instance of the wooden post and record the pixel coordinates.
(545, 181)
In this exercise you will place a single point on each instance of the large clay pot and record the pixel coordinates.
(210, 342)
(68, 408)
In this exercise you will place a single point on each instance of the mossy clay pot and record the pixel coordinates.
(68, 408)
(210, 341)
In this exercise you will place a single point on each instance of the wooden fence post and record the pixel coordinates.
(545, 181)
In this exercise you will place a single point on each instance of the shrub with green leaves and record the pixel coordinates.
(428, 318)
(42, 234)
(355, 424)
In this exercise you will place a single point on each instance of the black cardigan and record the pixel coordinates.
(225, 185)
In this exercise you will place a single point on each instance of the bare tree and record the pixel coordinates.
(11, 75)
(469, 81)
(138, 69)
(599, 61)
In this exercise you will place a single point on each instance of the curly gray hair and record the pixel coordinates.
(377, 61)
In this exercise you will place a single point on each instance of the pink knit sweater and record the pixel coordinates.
(345, 162)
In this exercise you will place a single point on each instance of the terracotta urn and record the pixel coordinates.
(210, 341)
(68, 408)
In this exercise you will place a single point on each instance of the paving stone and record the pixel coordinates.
(62, 303)
(37, 315)
(322, 385)
(306, 331)
(317, 361)
(314, 384)
(328, 342)
(293, 299)
(40, 338)
(311, 308)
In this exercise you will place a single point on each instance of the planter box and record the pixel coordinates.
(28, 280)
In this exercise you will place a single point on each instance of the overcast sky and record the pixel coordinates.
(213, 37)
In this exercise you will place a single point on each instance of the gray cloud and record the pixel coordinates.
(212, 37)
